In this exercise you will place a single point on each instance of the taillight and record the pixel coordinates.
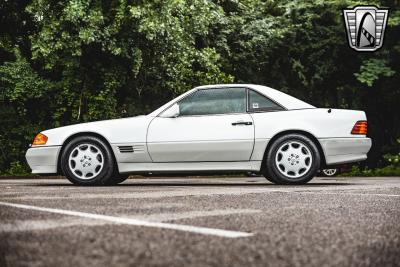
(40, 139)
(360, 128)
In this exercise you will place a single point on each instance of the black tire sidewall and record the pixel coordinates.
(117, 179)
(272, 168)
(105, 174)
(267, 175)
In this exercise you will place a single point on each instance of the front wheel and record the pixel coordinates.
(117, 179)
(87, 160)
(292, 159)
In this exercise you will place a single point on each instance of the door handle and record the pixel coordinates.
(242, 123)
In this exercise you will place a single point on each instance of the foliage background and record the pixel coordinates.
(65, 62)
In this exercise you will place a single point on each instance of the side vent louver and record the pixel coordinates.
(125, 149)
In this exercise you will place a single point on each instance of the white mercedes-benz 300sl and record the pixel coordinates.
(234, 127)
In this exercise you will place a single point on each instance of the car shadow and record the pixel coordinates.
(235, 184)
(197, 184)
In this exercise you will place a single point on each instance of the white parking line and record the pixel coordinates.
(173, 216)
(128, 221)
(46, 224)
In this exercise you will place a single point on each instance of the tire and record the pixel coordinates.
(117, 179)
(292, 159)
(330, 172)
(266, 175)
(270, 179)
(87, 160)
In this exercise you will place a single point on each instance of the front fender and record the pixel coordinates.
(114, 131)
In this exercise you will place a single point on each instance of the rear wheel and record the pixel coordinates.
(87, 160)
(270, 179)
(292, 159)
(267, 175)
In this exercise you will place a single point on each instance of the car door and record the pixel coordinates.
(212, 125)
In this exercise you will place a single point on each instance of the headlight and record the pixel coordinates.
(40, 139)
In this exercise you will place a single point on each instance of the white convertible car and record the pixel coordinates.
(234, 127)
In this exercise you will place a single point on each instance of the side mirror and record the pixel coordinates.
(172, 112)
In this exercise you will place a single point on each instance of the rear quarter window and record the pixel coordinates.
(258, 103)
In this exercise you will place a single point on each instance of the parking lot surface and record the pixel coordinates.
(201, 222)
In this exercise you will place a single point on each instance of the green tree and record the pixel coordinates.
(77, 60)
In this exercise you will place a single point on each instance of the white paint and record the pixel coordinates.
(212, 138)
(42, 225)
(200, 138)
(128, 221)
(190, 166)
(163, 217)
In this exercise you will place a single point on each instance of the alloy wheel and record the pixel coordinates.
(293, 159)
(86, 161)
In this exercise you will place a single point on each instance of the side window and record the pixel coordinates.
(214, 101)
(258, 102)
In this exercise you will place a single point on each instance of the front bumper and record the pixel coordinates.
(43, 159)
(345, 150)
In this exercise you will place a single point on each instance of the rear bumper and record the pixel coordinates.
(345, 150)
(43, 159)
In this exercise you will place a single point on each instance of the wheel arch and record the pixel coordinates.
(72, 136)
(302, 132)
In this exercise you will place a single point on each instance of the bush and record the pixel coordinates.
(17, 169)
(393, 160)
(392, 168)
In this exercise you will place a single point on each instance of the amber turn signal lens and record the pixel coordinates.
(40, 139)
(360, 128)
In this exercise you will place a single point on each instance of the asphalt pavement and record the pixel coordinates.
(201, 222)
